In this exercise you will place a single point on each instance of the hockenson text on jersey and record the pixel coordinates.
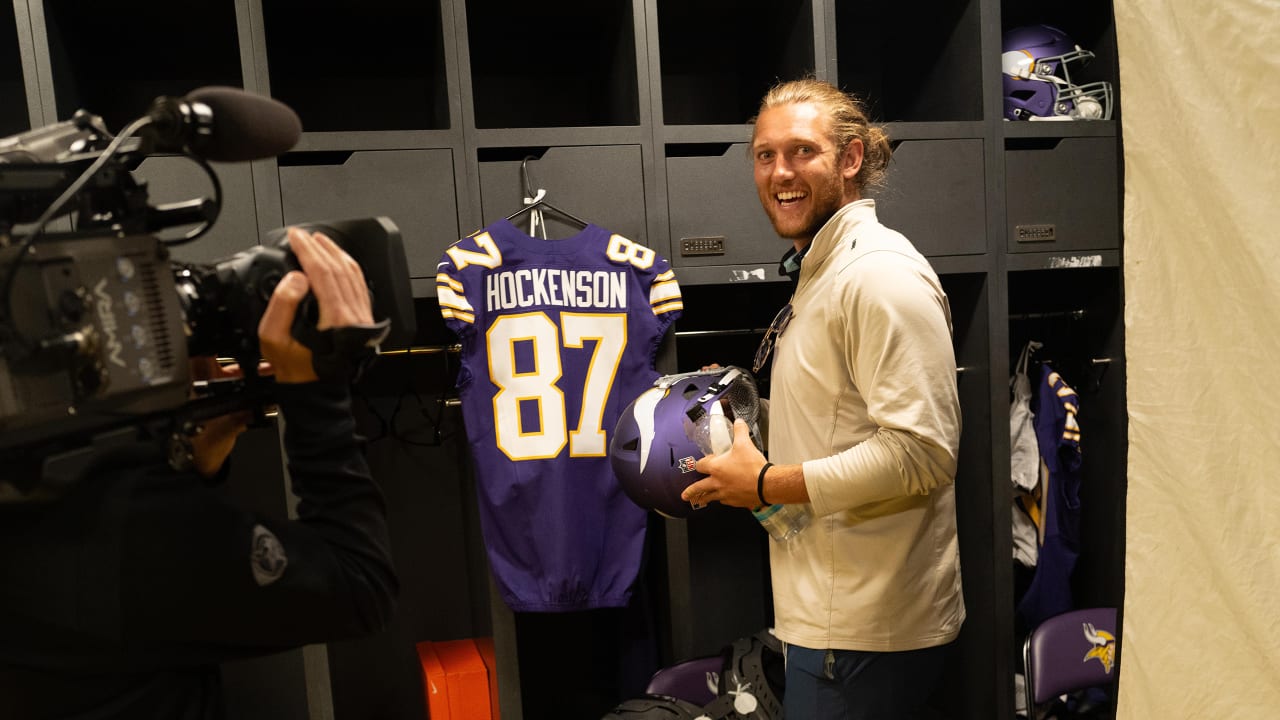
(544, 287)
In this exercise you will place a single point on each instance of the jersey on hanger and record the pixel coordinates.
(1058, 437)
(1024, 463)
(558, 336)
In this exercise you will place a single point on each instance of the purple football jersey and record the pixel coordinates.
(1058, 436)
(558, 336)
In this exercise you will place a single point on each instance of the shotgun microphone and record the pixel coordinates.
(222, 124)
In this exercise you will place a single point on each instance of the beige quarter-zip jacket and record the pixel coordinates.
(863, 393)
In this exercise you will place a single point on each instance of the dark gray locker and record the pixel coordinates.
(114, 59)
(935, 194)
(172, 178)
(714, 196)
(412, 187)
(383, 67)
(940, 76)
(714, 66)
(1063, 194)
(603, 185)
(13, 97)
(570, 63)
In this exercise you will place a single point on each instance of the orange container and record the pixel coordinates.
(491, 664)
(466, 679)
(434, 682)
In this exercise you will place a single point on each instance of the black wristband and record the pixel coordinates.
(760, 482)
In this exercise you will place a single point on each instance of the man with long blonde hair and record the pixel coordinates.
(864, 424)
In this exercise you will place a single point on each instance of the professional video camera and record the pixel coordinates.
(98, 323)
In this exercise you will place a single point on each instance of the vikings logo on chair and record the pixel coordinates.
(1104, 646)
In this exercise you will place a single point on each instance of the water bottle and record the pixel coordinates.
(783, 521)
(713, 432)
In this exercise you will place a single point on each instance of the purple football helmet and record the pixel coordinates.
(1037, 78)
(662, 433)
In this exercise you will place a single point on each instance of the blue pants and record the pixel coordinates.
(855, 685)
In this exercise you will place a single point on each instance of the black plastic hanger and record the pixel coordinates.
(538, 201)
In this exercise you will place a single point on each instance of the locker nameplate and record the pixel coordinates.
(702, 246)
(1036, 233)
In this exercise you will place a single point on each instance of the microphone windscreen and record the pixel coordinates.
(245, 126)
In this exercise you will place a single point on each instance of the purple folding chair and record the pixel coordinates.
(1069, 652)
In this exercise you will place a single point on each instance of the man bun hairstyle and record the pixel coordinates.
(848, 121)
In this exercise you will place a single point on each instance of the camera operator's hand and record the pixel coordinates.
(215, 438)
(340, 293)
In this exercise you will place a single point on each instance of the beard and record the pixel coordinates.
(825, 198)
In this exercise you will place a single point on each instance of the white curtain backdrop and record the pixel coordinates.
(1200, 105)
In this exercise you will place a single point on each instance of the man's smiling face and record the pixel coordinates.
(801, 177)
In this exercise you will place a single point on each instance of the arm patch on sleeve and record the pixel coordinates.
(266, 559)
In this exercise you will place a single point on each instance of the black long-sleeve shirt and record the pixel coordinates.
(121, 598)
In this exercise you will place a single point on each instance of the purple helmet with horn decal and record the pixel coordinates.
(1036, 64)
(662, 433)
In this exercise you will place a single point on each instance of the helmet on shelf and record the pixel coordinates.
(1035, 63)
(664, 431)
